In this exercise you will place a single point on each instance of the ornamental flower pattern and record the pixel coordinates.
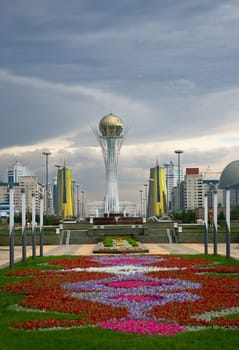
(146, 294)
(136, 293)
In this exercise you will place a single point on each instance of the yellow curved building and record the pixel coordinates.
(65, 201)
(157, 195)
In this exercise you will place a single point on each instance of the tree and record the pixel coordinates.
(235, 213)
(188, 216)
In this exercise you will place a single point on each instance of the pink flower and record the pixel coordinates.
(132, 284)
(143, 327)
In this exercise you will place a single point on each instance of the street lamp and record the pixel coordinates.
(47, 204)
(33, 226)
(83, 204)
(58, 166)
(11, 227)
(78, 200)
(74, 197)
(57, 205)
(215, 201)
(146, 191)
(167, 202)
(178, 152)
(141, 202)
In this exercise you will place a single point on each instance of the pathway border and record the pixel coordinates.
(87, 249)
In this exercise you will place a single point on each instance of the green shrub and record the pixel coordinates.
(108, 242)
(132, 242)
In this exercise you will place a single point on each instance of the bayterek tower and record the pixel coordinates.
(110, 136)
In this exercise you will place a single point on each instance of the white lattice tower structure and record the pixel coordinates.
(110, 136)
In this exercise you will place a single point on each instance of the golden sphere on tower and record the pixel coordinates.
(111, 125)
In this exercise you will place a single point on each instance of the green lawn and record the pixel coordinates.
(96, 338)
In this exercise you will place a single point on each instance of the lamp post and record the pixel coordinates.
(58, 166)
(179, 152)
(215, 222)
(11, 227)
(47, 154)
(57, 197)
(167, 202)
(23, 224)
(83, 204)
(41, 226)
(141, 202)
(78, 200)
(146, 191)
(228, 239)
(74, 197)
(206, 224)
(33, 225)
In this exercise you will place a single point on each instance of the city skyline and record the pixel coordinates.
(167, 68)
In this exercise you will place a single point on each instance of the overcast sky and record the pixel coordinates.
(168, 68)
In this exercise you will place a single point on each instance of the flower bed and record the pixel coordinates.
(119, 245)
(131, 293)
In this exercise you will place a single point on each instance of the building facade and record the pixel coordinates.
(230, 179)
(30, 185)
(194, 189)
(65, 197)
(4, 210)
(157, 194)
(15, 171)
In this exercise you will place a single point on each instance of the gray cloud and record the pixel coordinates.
(168, 68)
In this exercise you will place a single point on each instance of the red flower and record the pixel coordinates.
(43, 290)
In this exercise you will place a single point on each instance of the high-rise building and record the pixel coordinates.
(194, 189)
(30, 185)
(15, 171)
(65, 200)
(157, 195)
(171, 180)
(4, 210)
(54, 194)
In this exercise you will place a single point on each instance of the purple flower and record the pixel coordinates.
(137, 293)
(127, 260)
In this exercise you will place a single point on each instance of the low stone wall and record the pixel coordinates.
(49, 239)
(198, 237)
(143, 235)
(93, 234)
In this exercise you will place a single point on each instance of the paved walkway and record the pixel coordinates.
(87, 249)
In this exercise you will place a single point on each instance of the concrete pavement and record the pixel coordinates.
(87, 249)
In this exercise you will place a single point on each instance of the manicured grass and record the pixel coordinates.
(94, 337)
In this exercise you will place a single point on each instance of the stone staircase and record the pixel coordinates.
(96, 234)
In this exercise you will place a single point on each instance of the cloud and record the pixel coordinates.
(39, 110)
(168, 69)
(54, 113)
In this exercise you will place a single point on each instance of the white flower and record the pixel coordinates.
(124, 269)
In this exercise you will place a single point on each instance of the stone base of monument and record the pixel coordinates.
(117, 219)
